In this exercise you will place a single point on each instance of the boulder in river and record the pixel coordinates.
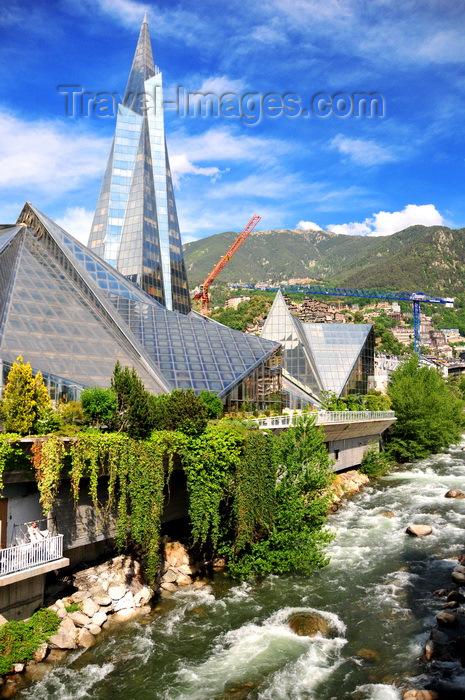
(419, 530)
(454, 493)
(446, 619)
(388, 514)
(420, 695)
(309, 625)
(369, 655)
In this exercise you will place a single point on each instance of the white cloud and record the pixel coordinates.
(128, 12)
(221, 144)
(47, 157)
(360, 151)
(385, 223)
(220, 85)
(181, 166)
(77, 221)
(308, 226)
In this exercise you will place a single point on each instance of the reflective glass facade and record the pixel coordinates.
(135, 227)
(71, 314)
(319, 357)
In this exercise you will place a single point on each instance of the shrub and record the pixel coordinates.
(26, 400)
(213, 404)
(19, 640)
(99, 406)
(71, 412)
(375, 463)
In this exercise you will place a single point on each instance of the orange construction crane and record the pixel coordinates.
(203, 294)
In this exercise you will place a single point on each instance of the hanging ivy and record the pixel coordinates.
(255, 487)
(47, 460)
(11, 455)
(210, 462)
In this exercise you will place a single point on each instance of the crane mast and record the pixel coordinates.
(203, 294)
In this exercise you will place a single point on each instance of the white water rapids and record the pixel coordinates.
(233, 640)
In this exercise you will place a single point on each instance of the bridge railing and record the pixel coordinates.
(324, 418)
(26, 556)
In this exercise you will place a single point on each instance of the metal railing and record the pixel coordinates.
(324, 418)
(26, 556)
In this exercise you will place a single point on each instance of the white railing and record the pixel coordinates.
(325, 417)
(26, 556)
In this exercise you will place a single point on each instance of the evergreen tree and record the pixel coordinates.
(26, 401)
(429, 412)
(133, 403)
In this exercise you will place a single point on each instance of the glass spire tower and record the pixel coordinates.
(135, 227)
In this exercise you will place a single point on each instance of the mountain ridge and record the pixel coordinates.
(418, 258)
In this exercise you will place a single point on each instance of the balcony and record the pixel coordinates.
(325, 418)
(34, 558)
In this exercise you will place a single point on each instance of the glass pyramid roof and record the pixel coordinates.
(176, 350)
(317, 357)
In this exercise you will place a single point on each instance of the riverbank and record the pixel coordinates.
(233, 640)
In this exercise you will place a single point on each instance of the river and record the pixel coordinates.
(233, 640)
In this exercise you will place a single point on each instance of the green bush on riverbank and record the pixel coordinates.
(428, 409)
(19, 639)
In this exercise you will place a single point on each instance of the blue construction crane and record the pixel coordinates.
(414, 298)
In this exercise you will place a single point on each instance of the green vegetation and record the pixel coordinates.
(26, 406)
(73, 607)
(133, 403)
(429, 412)
(296, 538)
(181, 410)
(19, 640)
(213, 404)
(246, 313)
(375, 463)
(373, 401)
(99, 406)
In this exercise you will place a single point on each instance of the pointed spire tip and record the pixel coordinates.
(145, 18)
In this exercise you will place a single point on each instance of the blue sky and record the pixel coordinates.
(351, 175)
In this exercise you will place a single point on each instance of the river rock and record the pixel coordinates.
(18, 668)
(420, 695)
(143, 596)
(388, 514)
(170, 576)
(85, 639)
(456, 595)
(61, 613)
(117, 592)
(450, 605)
(169, 586)
(199, 584)
(35, 672)
(65, 636)
(102, 600)
(446, 619)
(94, 629)
(89, 608)
(459, 578)
(40, 653)
(419, 530)
(79, 596)
(124, 615)
(183, 580)
(2, 620)
(459, 568)
(99, 618)
(309, 625)
(125, 603)
(79, 619)
(175, 554)
(369, 654)
(11, 686)
(454, 493)
(436, 648)
(186, 569)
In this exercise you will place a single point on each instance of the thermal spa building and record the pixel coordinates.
(318, 357)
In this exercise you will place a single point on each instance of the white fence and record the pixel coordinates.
(25, 556)
(325, 418)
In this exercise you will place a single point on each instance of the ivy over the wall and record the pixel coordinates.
(136, 473)
(254, 497)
